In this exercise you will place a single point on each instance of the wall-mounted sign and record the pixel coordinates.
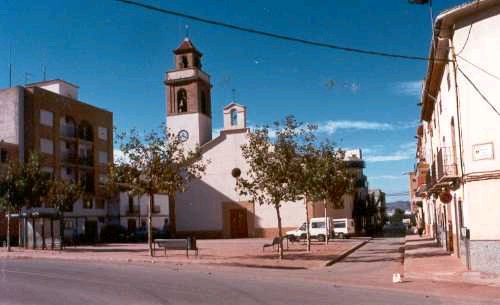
(482, 151)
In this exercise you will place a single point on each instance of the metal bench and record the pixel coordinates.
(275, 242)
(176, 244)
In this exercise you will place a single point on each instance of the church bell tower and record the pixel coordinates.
(189, 111)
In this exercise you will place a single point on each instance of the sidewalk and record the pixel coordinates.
(229, 252)
(425, 260)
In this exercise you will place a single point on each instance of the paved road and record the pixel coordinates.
(62, 282)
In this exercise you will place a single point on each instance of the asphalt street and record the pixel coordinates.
(68, 282)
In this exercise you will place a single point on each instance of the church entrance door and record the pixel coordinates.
(238, 222)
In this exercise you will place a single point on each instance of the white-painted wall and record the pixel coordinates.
(199, 127)
(12, 117)
(478, 123)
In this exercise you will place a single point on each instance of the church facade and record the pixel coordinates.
(211, 206)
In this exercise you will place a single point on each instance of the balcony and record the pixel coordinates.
(87, 160)
(446, 165)
(68, 131)
(69, 157)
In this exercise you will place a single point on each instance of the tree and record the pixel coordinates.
(156, 162)
(24, 185)
(11, 193)
(333, 178)
(62, 195)
(273, 166)
(308, 179)
(398, 216)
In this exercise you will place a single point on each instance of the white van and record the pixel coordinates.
(341, 228)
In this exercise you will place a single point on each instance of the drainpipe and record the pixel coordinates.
(462, 167)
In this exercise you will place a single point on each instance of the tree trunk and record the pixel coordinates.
(326, 225)
(150, 223)
(61, 231)
(280, 233)
(171, 215)
(308, 233)
(8, 230)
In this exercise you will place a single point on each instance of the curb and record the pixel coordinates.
(347, 253)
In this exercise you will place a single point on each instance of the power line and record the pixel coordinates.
(279, 36)
(478, 91)
(478, 67)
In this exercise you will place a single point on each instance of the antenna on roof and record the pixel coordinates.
(44, 72)
(10, 66)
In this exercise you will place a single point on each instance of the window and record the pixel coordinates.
(184, 62)
(448, 81)
(46, 118)
(234, 117)
(103, 157)
(46, 146)
(87, 203)
(339, 224)
(85, 131)
(130, 203)
(102, 133)
(182, 101)
(4, 156)
(318, 225)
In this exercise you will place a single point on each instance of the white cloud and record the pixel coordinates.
(405, 151)
(331, 127)
(411, 88)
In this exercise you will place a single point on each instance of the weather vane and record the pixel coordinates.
(186, 27)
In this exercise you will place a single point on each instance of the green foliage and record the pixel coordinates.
(62, 194)
(154, 163)
(24, 184)
(274, 165)
(398, 216)
(333, 177)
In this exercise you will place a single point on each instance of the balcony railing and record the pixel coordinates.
(446, 164)
(68, 131)
(69, 157)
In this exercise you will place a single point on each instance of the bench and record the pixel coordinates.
(275, 242)
(176, 244)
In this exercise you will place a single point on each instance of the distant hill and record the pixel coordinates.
(403, 205)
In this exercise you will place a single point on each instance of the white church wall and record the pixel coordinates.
(200, 208)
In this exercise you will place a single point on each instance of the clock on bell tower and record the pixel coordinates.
(188, 97)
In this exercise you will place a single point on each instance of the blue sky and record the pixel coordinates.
(118, 55)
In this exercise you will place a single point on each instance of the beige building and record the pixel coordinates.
(74, 140)
(458, 152)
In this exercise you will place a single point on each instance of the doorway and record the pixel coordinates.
(91, 231)
(238, 223)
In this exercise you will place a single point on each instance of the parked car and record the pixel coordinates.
(141, 234)
(339, 228)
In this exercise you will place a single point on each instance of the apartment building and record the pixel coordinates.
(458, 164)
(74, 140)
